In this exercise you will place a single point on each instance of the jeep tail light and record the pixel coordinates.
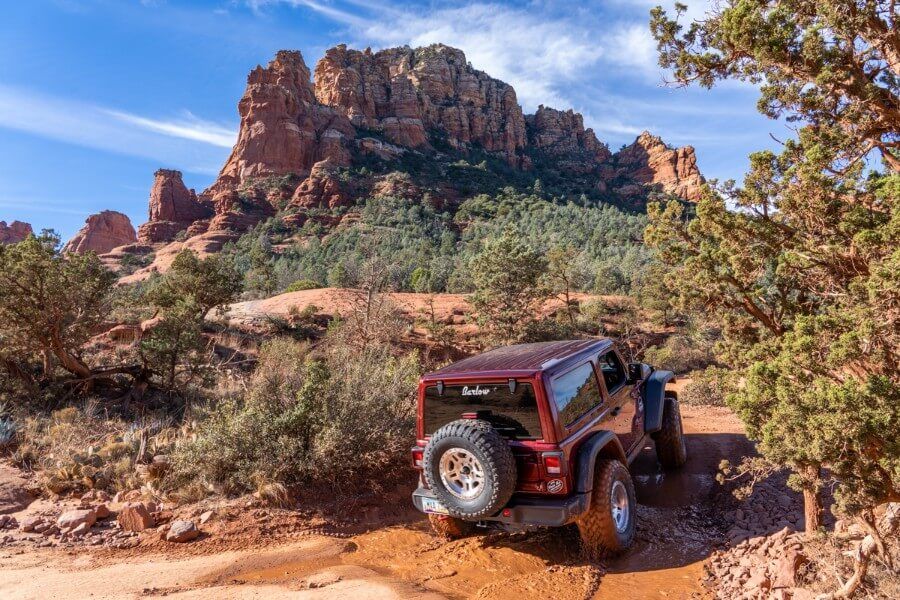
(553, 463)
(418, 457)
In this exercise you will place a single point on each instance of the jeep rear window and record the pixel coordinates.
(575, 393)
(513, 414)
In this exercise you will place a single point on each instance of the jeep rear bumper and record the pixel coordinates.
(544, 512)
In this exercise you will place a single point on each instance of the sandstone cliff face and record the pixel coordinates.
(173, 208)
(283, 129)
(322, 189)
(15, 232)
(101, 233)
(561, 134)
(399, 105)
(409, 93)
(650, 161)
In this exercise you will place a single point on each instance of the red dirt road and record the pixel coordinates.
(679, 521)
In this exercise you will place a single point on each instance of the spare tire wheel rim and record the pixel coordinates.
(620, 506)
(462, 473)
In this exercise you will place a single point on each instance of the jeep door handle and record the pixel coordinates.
(615, 412)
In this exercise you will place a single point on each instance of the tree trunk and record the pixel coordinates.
(812, 500)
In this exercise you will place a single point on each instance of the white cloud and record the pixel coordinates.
(184, 140)
(189, 128)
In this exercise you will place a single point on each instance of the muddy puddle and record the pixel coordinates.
(676, 533)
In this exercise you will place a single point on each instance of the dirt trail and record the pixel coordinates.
(679, 520)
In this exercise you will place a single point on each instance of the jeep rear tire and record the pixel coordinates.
(670, 447)
(607, 528)
(470, 468)
(451, 528)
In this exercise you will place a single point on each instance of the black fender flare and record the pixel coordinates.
(654, 396)
(603, 444)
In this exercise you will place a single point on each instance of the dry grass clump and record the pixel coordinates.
(75, 449)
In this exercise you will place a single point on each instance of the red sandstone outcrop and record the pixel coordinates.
(283, 129)
(650, 161)
(389, 105)
(561, 135)
(15, 232)
(101, 233)
(322, 189)
(407, 93)
(173, 208)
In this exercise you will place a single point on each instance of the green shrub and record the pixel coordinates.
(680, 353)
(303, 284)
(343, 418)
(709, 387)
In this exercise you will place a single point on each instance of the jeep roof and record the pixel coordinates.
(520, 360)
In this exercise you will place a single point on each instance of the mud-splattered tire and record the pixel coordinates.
(451, 528)
(483, 449)
(604, 530)
(670, 447)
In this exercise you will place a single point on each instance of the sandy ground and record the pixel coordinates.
(679, 523)
(448, 308)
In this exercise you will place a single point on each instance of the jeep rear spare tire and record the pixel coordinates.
(470, 468)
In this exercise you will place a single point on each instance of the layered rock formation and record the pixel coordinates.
(414, 95)
(650, 161)
(15, 232)
(283, 130)
(562, 136)
(322, 189)
(173, 208)
(101, 233)
(390, 123)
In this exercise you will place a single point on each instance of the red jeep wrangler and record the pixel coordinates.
(542, 434)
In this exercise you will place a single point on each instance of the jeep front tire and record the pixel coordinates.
(470, 468)
(607, 528)
(670, 447)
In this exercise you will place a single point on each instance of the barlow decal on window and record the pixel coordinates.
(475, 391)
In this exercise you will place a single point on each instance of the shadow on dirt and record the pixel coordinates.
(681, 514)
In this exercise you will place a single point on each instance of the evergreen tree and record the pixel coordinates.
(507, 275)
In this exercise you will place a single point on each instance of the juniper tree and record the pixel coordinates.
(508, 278)
(50, 305)
(833, 64)
(802, 271)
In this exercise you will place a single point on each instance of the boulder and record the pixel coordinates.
(787, 567)
(30, 524)
(182, 531)
(134, 516)
(71, 519)
(101, 233)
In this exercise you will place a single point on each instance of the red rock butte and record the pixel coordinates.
(15, 232)
(299, 137)
(101, 233)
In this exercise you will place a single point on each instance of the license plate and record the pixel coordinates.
(430, 505)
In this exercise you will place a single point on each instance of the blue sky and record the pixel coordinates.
(95, 95)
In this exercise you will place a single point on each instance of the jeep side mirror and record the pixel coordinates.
(635, 372)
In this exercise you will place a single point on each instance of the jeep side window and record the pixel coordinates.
(613, 371)
(576, 393)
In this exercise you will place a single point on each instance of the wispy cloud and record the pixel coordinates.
(190, 128)
(185, 139)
